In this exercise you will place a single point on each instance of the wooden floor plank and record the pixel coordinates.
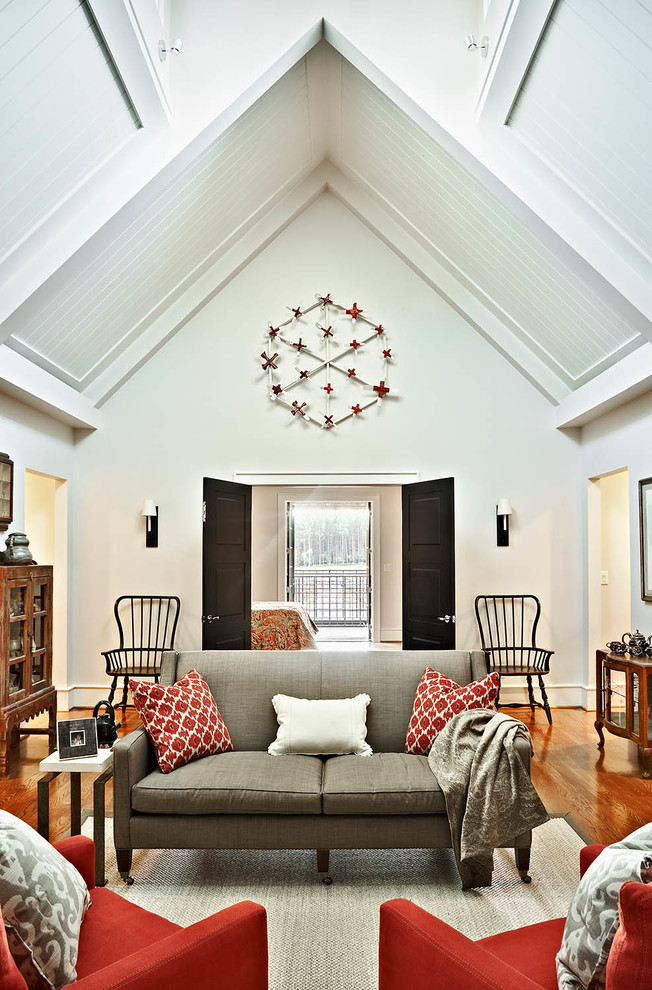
(602, 789)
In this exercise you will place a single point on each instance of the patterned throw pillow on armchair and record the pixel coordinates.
(593, 917)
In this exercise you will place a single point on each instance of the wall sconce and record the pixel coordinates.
(151, 512)
(503, 512)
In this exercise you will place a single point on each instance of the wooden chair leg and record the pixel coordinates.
(546, 705)
(125, 691)
(112, 691)
(530, 691)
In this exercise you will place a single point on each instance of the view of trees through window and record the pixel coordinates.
(331, 535)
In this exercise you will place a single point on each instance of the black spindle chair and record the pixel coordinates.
(147, 626)
(508, 629)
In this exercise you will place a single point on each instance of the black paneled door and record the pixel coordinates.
(429, 565)
(226, 595)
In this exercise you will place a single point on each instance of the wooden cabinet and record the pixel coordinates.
(26, 688)
(624, 700)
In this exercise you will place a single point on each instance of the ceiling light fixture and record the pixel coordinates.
(174, 49)
(472, 45)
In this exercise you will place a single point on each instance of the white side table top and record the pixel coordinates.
(83, 764)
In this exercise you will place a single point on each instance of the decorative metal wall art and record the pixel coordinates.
(330, 365)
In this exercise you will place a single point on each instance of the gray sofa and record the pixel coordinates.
(250, 800)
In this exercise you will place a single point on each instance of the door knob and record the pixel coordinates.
(209, 618)
(446, 618)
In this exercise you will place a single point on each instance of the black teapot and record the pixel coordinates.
(107, 730)
(636, 643)
(617, 646)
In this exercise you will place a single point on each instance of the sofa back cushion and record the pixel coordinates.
(243, 684)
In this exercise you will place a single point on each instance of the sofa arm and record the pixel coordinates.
(133, 758)
(587, 855)
(420, 952)
(80, 851)
(523, 747)
(227, 950)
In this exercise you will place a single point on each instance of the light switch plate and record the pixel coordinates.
(604, 577)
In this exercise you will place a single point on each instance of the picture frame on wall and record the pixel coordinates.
(645, 522)
(77, 738)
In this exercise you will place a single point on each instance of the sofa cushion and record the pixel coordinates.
(382, 784)
(234, 783)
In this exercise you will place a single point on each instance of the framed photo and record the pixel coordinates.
(77, 738)
(645, 509)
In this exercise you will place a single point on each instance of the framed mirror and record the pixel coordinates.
(645, 510)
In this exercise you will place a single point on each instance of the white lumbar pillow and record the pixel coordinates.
(321, 728)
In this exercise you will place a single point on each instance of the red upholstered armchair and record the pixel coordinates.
(122, 945)
(420, 952)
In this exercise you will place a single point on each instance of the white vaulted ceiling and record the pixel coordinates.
(57, 81)
(590, 81)
(562, 318)
(142, 259)
(519, 283)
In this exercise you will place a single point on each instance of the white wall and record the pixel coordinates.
(38, 443)
(265, 549)
(200, 408)
(622, 439)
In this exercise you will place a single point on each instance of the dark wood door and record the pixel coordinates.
(429, 565)
(226, 593)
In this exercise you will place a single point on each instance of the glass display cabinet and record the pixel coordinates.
(6, 491)
(26, 688)
(624, 700)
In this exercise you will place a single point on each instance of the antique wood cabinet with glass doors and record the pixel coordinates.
(25, 656)
(624, 700)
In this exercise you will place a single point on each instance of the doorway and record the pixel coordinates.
(46, 525)
(328, 566)
(609, 560)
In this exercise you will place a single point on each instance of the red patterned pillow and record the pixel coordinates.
(438, 699)
(181, 720)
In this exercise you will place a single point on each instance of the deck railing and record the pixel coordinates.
(334, 597)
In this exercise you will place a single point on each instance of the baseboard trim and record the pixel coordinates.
(559, 695)
(390, 635)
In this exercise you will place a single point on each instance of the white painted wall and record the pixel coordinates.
(38, 443)
(268, 542)
(615, 556)
(620, 439)
(200, 408)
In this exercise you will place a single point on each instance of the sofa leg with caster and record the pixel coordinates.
(522, 857)
(322, 865)
(123, 857)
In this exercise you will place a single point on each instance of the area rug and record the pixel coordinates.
(327, 936)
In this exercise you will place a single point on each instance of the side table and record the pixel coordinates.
(52, 766)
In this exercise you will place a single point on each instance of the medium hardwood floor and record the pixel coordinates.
(603, 790)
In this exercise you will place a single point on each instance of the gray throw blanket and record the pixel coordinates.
(490, 798)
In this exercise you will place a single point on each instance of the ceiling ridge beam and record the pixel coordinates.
(590, 245)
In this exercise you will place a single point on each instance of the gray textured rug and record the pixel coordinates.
(327, 937)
